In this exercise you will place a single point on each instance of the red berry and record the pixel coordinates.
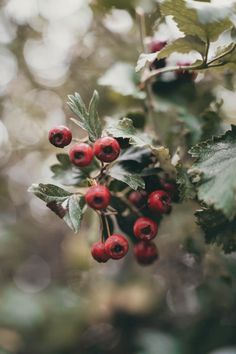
(156, 46)
(98, 197)
(160, 201)
(185, 75)
(171, 188)
(60, 136)
(98, 252)
(116, 246)
(106, 149)
(81, 154)
(138, 198)
(145, 252)
(145, 229)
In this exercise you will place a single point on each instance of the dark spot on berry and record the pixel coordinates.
(107, 149)
(98, 200)
(118, 248)
(79, 155)
(146, 230)
(57, 137)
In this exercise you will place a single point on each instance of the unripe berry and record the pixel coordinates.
(60, 136)
(106, 149)
(160, 201)
(98, 252)
(145, 229)
(81, 154)
(116, 246)
(145, 252)
(138, 198)
(98, 197)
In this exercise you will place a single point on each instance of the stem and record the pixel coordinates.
(107, 224)
(127, 202)
(221, 56)
(149, 100)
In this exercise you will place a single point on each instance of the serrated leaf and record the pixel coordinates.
(214, 172)
(218, 230)
(87, 119)
(183, 45)
(121, 77)
(185, 186)
(66, 205)
(143, 59)
(132, 180)
(124, 129)
(204, 20)
(49, 192)
(68, 174)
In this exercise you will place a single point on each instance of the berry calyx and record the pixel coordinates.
(145, 229)
(145, 252)
(160, 201)
(81, 154)
(98, 252)
(138, 198)
(60, 136)
(106, 149)
(98, 197)
(116, 246)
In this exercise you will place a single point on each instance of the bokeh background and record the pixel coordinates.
(53, 297)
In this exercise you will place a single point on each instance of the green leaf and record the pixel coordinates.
(185, 186)
(68, 206)
(211, 121)
(87, 119)
(218, 230)
(144, 59)
(124, 128)
(49, 192)
(132, 180)
(121, 77)
(68, 174)
(183, 45)
(204, 20)
(192, 125)
(214, 172)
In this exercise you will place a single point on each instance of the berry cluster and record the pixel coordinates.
(148, 205)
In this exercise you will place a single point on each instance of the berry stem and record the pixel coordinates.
(104, 216)
(127, 202)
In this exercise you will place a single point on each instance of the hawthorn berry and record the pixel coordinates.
(145, 252)
(171, 188)
(138, 198)
(116, 246)
(160, 201)
(98, 252)
(156, 46)
(98, 197)
(60, 136)
(145, 229)
(106, 149)
(81, 154)
(185, 75)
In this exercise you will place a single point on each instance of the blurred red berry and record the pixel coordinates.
(145, 252)
(60, 136)
(160, 201)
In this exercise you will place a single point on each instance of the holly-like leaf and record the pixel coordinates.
(183, 45)
(121, 77)
(87, 119)
(204, 20)
(121, 174)
(144, 59)
(214, 172)
(68, 174)
(185, 186)
(68, 206)
(218, 230)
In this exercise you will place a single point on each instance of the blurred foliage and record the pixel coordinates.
(53, 297)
